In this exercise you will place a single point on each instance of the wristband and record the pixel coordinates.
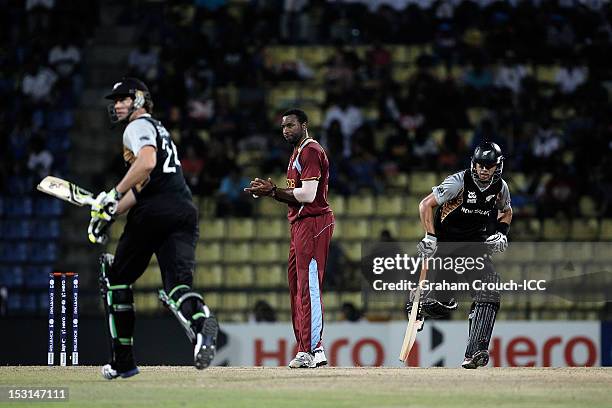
(431, 235)
(503, 227)
(118, 195)
(273, 191)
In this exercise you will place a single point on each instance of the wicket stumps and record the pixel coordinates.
(63, 318)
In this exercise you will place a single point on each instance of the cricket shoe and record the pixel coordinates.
(319, 357)
(110, 373)
(303, 360)
(479, 359)
(205, 345)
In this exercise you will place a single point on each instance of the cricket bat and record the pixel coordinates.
(413, 324)
(65, 190)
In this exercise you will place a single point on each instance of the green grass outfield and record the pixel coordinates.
(324, 387)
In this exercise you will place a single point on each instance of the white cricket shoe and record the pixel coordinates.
(303, 360)
(319, 357)
(110, 373)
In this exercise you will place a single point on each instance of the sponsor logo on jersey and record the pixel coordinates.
(471, 197)
(476, 211)
(440, 190)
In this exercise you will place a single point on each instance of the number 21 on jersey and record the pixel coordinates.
(172, 160)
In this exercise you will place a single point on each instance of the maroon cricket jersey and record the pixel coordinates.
(309, 162)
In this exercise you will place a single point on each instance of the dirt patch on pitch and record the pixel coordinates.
(387, 378)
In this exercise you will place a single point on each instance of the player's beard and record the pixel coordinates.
(484, 183)
(298, 137)
(485, 178)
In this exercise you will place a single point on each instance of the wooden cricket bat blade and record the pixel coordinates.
(65, 190)
(413, 324)
(411, 329)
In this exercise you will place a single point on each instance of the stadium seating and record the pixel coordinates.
(399, 182)
(151, 278)
(239, 276)
(525, 229)
(209, 276)
(411, 206)
(421, 182)
(147, 302)
(11, 276)
(606, 230)
(237, 252)
(19, 207)
(555, 230)
(315, 56)
(15, 229)
(355, 229)
(410, 230)
(360, 206)
(241, 229)
(266, 252)
(271, 229)
(338, 204)
(270, 276)
(234, 301)
(586, 229)
(209, 252)
(381, 224)
(45, 229)
(212, 229)
(271, 208)
(48, 207)
(388, 205)
(352, 250)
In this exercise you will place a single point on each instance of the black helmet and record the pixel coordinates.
(488, 154)
(134, 88)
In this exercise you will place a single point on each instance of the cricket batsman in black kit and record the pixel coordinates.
(162, 220)
(473, 210)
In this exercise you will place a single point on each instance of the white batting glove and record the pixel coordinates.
(497, 242)
(428, 246)
(105, 205)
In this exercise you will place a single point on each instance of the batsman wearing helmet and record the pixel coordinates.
(162, 220)
(473, 214)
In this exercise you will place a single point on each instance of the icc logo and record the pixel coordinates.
(471, 197)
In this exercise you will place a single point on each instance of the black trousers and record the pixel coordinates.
(165, 227)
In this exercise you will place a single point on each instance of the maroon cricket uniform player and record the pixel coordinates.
(312, 226)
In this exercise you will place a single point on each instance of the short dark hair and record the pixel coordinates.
(299, 114)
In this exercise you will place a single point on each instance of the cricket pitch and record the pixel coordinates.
(165, 386)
